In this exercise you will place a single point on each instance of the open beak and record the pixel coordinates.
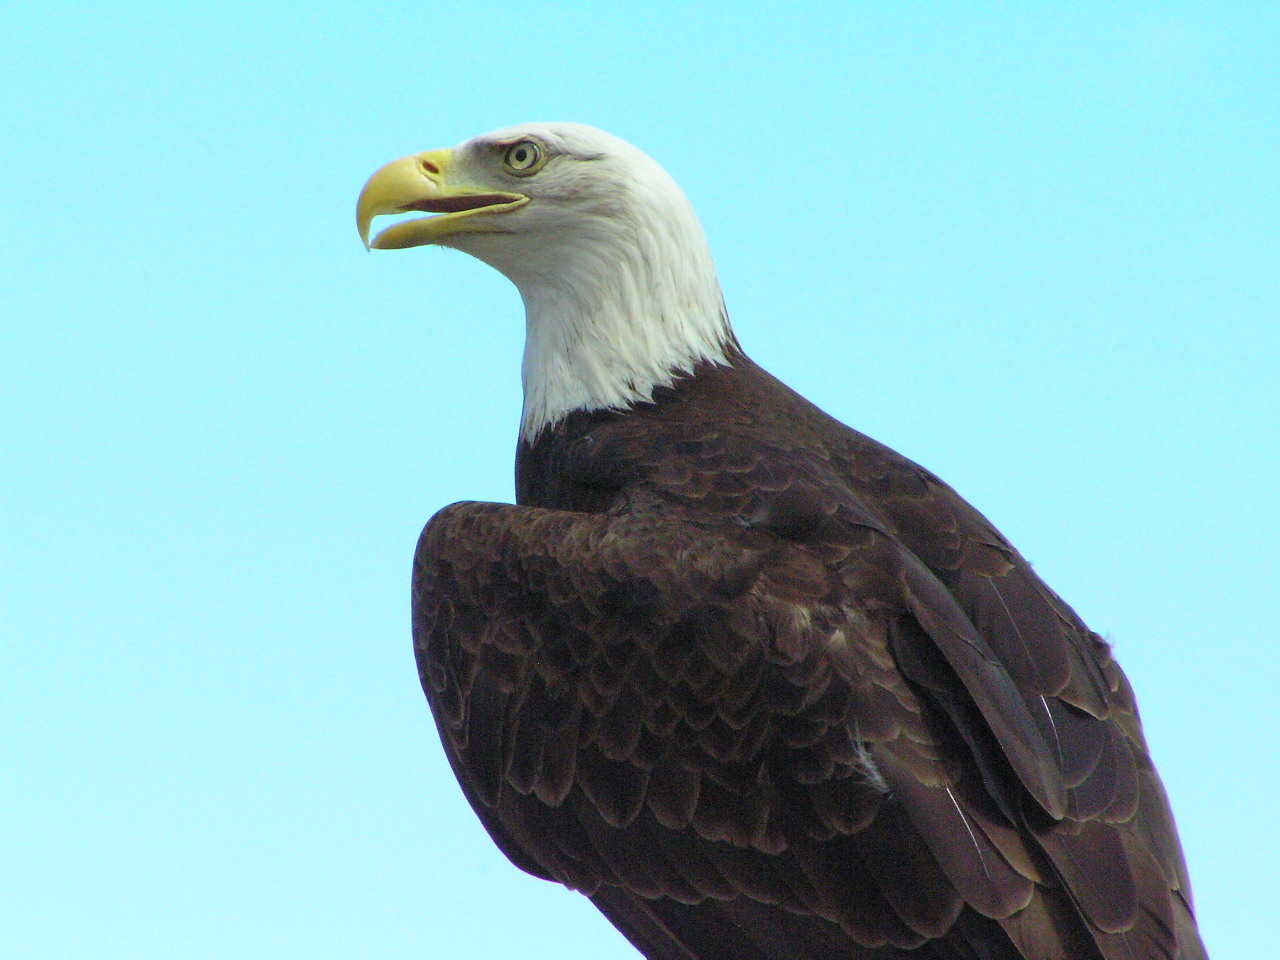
(428, 182)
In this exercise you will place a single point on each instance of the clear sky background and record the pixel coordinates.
(1035, 248)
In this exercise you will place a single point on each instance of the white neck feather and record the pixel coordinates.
(616, 321)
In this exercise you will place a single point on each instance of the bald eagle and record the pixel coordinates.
(760, 687)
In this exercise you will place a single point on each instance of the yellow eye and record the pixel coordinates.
(524, 158)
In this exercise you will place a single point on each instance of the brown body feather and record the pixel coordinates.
(765, 690)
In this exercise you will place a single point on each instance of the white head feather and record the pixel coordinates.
(619, 288)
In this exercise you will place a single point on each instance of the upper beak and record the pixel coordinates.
(426, 182)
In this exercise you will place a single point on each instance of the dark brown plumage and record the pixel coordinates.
(764, 689)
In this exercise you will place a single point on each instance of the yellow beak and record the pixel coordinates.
(428, 182)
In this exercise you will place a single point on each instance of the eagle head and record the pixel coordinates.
(619, 287)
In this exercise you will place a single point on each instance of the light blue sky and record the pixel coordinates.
(1036, 249)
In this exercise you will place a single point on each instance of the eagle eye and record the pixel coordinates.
(524, 158)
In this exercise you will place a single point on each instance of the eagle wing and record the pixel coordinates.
(795, 735)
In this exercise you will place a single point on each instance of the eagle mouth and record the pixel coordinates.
(460, 204)
(450, 214)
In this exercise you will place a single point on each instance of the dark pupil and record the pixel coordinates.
(522, 155)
